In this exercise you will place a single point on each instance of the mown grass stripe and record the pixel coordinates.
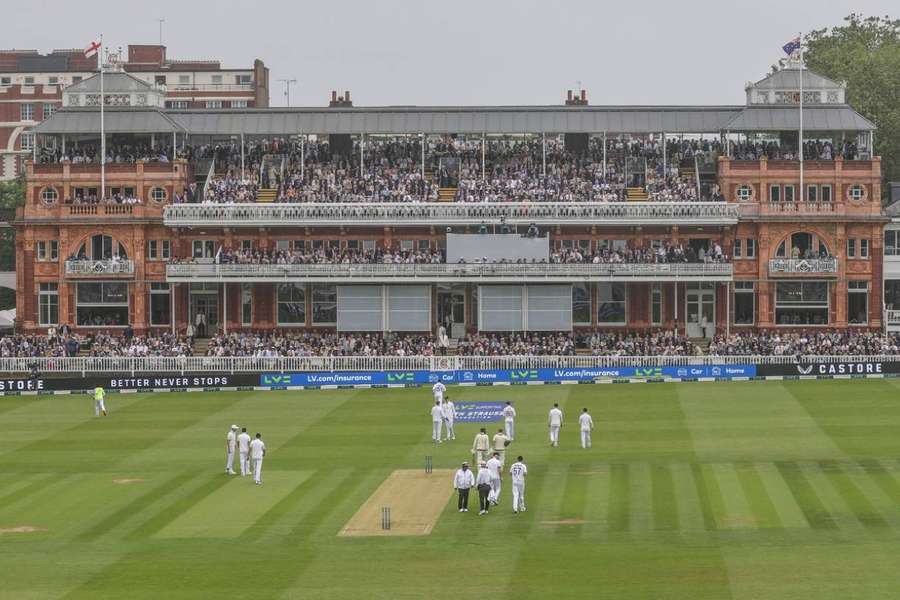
(789, 512)
(805, 496)
(268, 519)
(574, 497)
(853, 499)
(158, 521)
(714, 495)
(665, 502)
(596, 509)
(619, 507)
(315, 518)
(882, 502)
(38, 486)
(704, 497)
(640, 498)
(154, 494)
(761, 506)
(690, 511)
(737, 513)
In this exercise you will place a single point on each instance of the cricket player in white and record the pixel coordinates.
(99, 406)
(494, 467)
(257, 453)
(437, 417)
(499, 443)
(519, 471)
(243, 440)
(448, 409)
(438, 390)
(480, 446)
(587, 426)
(230, 442)
(555, 422)
(509, 420)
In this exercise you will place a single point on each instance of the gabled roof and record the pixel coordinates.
(116, 82)
(784, 118)
(789, 79)
(74, 121)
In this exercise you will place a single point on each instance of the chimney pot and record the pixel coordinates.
(583, 96)
(333, 95)
(570, 96)
(347, 95)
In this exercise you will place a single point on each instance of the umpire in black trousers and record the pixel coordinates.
(483, 483)
(462, 482)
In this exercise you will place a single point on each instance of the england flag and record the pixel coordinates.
(92, 49)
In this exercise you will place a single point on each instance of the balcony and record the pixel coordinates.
(99, 268)
(455, 213)
(892, 319)
(803, 266)
(437, 273)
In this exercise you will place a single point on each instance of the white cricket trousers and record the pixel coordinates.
(518, 495)
(494, 495)
(510, 427)
(257, 470)
(436, 431)
(99, 407)
(448, 425)
(554, 434)
(245, 463)
(229, 461)
(585, 439)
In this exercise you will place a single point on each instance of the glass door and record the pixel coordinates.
(700, 310)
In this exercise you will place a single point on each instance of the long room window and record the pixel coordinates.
(324, 305)
(247, 304)
(801, 303)
(858, 302)
(611, 303)
(581, 304)
(744, 299)
(291, 304)
(160, 304)
(48, 304)
(102, 304)
(656, 295)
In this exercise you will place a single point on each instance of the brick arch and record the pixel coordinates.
(73, 248)
(823, 237)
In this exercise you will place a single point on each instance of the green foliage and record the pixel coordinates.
(12, 194)
(865, 52)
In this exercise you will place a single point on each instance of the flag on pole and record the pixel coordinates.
(792, 46)
(92, 49)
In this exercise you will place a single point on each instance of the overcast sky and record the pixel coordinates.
(458, 52)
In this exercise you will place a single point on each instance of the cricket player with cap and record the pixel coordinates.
(555, 421)
(495, 468)
(230, 441)
(483, 483)
(243, 440)
(519, 471)
(499, 444)
(448, 409)
(587, 426)
(99, 405)
(437, 391)
(437, 417)
(257, 453)
(509, 420)
(481, 446)
(462, 482)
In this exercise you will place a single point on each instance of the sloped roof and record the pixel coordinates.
(82, 120)
(789, 79)
(815, 118)
(113, 83)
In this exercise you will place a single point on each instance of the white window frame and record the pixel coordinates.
(26, 111)
(601, 302)
(48, 297)
(157, 289)
(296, 286)
(656, 298)
(744, 288)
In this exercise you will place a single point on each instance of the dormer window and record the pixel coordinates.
(762, 97)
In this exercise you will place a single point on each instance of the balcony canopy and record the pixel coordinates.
(785, 118)
(117, 121)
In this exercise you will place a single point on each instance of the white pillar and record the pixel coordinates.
(242, 156)
(483, 175)
(362, 156)
(544, 154)
(172, 306)
(225, 308)
(728, 308)
(302, 155)
(422, 137)
(676, 307)
(665, 169)
(604, 156)
(64, 145)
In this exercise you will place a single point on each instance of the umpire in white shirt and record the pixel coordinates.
(483, 483)
(462, 483)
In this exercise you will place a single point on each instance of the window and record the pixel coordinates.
(738, 248)
(100, 247)
(581, 304)
(217, 80)
(424, 245)
(611, 304)
(406, 245)
(744, 193)
(656, 296)
(204, 249)
(291, 304)
(26, 141)
(774, 193)
(160, 304)
(48, 250)
(26, 112)
(29, 81)
(789, 193)
(42, 250)
(74, 100)
(851, 248)
(802, 245)
(158, 194)
(184, 80)
(812, 193)
(247, 305)
(858, 302)
(825, 193)
(76, 79)
(49, 195)
(213, 104)
(751, 248)
(165, 252)
(49, 109)
(801, 303)
(744, 299)
(864, 248)
(48, 304)
(246, 245)
(53, 80)
(179, 103)
(283, 245)
(368, 245)
(238, 104)
(891, 238)
(244, 79)
(854, 192)
(5, 81)
(152, 249)
(159, 80)
(102, 304)
(324, 305)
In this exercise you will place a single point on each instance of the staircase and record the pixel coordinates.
(447, 194)
(266, 194)
(636, 194)
(200, 346)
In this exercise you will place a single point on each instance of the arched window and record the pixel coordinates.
(802, 245)
(101, 247)
(49, 195)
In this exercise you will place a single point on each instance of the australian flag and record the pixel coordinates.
(792, 46)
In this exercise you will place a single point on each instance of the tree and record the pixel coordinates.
(12, 194)
(865, 52)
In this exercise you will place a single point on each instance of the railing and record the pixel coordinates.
(892, 318)
(803, 266)
(98, 268)
(429, 213)
(208, 364)
(441, 272)
(210, 87)
(799, 207)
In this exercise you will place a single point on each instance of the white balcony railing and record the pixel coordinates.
(803, 266)
(512, 273)
(892, 318)
(98, 268)
(451, 213)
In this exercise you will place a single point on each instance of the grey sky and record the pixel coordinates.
(463, 51)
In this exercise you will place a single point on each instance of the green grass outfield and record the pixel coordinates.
(756, 490)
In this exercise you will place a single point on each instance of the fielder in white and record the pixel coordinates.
(230, 442)
(509, 420)
(99, 406)
(243, 440)
(480, 446)
(494, 467)
(587, 426)
(437, 418)
(555, 421)
(437, 390)
(448, 409)
(257, 453)
(519, 471)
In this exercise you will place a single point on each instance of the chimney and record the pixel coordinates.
(333, 96)
(347, 96)
(569, 97)
(584, 97)
(578, 99)
(340, 101)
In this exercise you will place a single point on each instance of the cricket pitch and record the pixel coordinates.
(416, 500)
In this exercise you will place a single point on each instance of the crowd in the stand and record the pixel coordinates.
(660, 343)
(163, 344)
(517, 344)
(278, 344)
(62, 342)
(115, 153)
(850, 343)
(231, 256)
(662, 253)
(812, 150)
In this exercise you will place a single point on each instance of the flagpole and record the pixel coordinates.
(102, 125)
(802, 190)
